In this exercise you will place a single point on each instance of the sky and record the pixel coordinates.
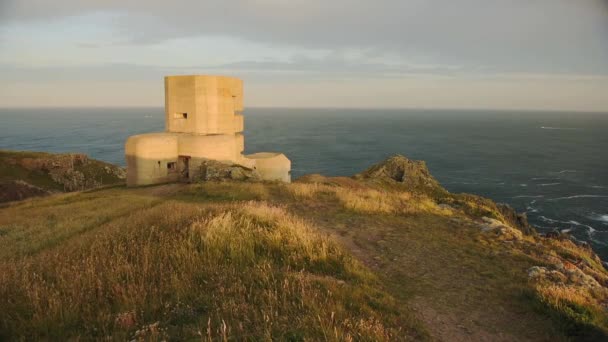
(478, 54)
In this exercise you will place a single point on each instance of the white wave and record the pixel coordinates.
(598, 187)
(591, 230)
(561, 128)
(549, 184)
(576, 196)
(523, 184)
(549, 220)
(565, 171)
(602, 218)
(599, 242)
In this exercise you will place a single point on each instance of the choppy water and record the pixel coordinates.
(554, 166)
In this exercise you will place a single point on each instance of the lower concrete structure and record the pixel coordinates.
(155, 158)
(271, 165)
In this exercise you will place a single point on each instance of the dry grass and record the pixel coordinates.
(223, 261)
(579, 310)
(368, 200)
(387, 202)
(575, 291)
(306, 190)
(185, 271)
(557, 293)
(225, 192)
(41, 223)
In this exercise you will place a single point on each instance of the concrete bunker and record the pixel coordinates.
(203, 121)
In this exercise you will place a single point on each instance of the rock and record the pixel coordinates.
(71, 179)
(446, 207)
(55, 161)
(399, 169)
(42, 173)
(515, 219)
(583, 244)
(578, 277)
(536, 272)
(493, 226)
(554, 234)
(539, 273)
(554, 261)
(212, 170)
(119, 172)
(556, 276)
(570, 275)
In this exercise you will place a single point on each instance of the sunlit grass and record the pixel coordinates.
(306, 190)
(184, 270)
(387, 202)
(236, 260)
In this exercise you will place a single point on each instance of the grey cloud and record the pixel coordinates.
(305, 68)
(302, 69)
(507, 35)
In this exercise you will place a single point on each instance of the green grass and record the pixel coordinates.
(122, 264)
(268, 261)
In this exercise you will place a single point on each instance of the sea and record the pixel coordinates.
(551, 165)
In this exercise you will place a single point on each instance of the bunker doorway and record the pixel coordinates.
(183, 167)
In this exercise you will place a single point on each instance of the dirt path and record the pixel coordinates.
(461, 289)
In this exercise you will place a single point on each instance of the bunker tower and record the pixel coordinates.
(203, 121)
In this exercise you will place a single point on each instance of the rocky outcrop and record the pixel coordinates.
(70, 170)
(212, 170)
(515, 219)
(401, 170)
(499, 229)
(27, 174)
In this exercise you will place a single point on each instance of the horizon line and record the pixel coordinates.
(605, 111)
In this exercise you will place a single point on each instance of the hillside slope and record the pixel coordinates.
(30, 174)
(375, 257)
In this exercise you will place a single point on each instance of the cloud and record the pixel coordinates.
(385, 53)
(507, 35)
(280, 85)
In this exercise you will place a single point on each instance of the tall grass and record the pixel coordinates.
(368, 200)
(41, 223)
(387, 202)
(186, 271)
(306, 190)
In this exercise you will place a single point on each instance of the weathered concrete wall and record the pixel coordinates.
(219, 147)
(148, 156)
(272, 165)
(202, 104)
(239, 123)
(202, 122)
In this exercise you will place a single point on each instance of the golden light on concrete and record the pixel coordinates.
(202, 121)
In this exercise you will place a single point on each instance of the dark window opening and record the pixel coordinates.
(172, 166)
(180, 115)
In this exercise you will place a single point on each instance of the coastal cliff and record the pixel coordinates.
(31, 174)
(387, 254)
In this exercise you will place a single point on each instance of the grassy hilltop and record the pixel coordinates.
(387, 255)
